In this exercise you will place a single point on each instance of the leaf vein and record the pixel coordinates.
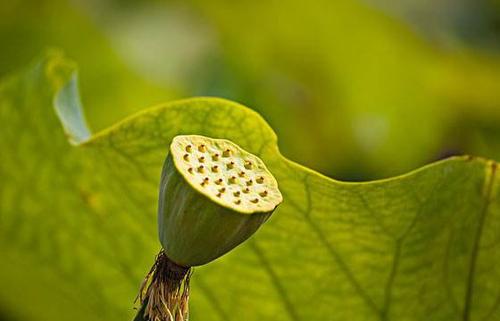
(469, 293)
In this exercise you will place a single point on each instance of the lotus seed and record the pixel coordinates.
(237, 202)
(263, 194)
(222, 190)
(215, 157)
(215, 168)
(189, 148)
(249, 182)
(260, 180)
(246, 190)
(236, 194)
(230, 165)
(190, 170)
(202, 148)
(219, 181)
(241, 174)
(219, 194)
(255, 200)
(201, 159)
(201, 169)
(186, 157)
(232, 180)
(248, 165)
(226, 153)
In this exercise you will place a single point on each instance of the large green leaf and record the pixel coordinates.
(77, 224)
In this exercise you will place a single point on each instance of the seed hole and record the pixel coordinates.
(249, 182)
(241, 174)
(215, 157)
(230, 165)
(202, 148)
(246, 190)
(255, 200)
(236, 194)
(237, 202)
(190, 170)
(201, 169)
(248, 164)
(215, 168)
(232, 180)
(219, 181)
(189, 148)
(219, 194)
(186, 157)
(201, 159)
(263, 194)
(260, 180)
(226, 153)
(222, 190)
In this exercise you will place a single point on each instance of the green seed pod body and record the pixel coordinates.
(213, 196)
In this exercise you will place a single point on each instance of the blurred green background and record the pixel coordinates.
(357, 90)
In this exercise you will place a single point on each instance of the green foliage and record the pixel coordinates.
(78, 224)
(27, 28)
(340, 73)
(384, 98)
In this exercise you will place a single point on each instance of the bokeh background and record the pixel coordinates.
(357, 90)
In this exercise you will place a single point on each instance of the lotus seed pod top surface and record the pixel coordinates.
(225, 173)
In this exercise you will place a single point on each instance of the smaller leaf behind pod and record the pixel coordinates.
(213, 196)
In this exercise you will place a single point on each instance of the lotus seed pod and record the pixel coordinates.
(213, 196)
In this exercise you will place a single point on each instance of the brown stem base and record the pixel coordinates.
(164, 293)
